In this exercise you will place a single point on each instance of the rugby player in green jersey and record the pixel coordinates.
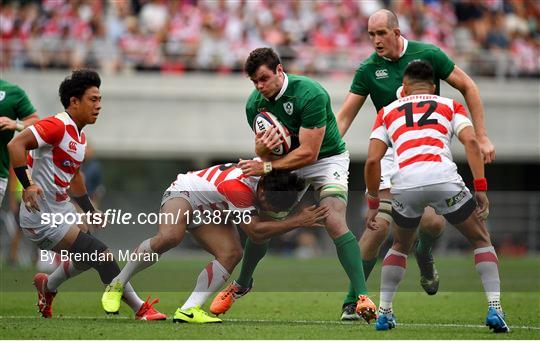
(381, 76)
(16, 113)
(320, 157)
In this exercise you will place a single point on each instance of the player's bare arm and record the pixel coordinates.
(307, 153)
(17, 153)
(263, 228)
(462, 82)
(372, 176)
(474, 157)
(7, 123)
(349, 110)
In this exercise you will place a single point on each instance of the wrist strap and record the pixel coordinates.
(23, 176)
(84, 203)
(373, 202)
(19, 126)
(267, 167)
(480, 185)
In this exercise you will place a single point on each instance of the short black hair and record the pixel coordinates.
(419, 71)
(281, 189)
(261, 56)
(76, 84)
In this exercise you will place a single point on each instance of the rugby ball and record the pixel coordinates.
(264, 121)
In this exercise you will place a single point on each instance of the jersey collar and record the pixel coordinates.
(284, 87)
(405, 44)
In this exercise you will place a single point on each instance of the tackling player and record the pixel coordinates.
(420, 127)
(303, 106)
(380, 77)
(208, 203)
(57, 145)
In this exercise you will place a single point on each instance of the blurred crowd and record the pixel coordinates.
(490, 37)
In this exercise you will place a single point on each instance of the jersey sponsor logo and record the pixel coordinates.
(67, 163)
(288, 107)
(2, 95)
(381, 73)
(456, 198)
(72, 146)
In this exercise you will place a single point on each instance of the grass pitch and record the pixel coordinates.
(292, 299)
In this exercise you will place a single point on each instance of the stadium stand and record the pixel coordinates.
(491, 38)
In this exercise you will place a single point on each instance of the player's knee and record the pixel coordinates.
(166, 240)
(92, 250)
(432, 224)
(336, 226)
(230, 258)
(81, 266)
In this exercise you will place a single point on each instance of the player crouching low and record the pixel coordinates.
(420, 127)
(209, 202)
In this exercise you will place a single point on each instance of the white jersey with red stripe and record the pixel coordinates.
(59, 155)
(420, 128)
(216, 188)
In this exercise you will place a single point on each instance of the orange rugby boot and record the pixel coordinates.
(225, 299)
(366, 308)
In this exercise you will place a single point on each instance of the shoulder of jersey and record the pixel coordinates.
(422, 46)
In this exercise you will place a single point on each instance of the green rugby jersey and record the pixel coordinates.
(13, 104)
(382, 79)
(302, 102)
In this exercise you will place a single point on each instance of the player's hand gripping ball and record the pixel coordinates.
(264, 121)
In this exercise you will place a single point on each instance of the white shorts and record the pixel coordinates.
(199, 193)
(3, 188)
(329, 175)
(44, 235)
(388, 169)
(452, 200)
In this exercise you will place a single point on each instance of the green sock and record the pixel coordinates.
(253, 253)
(368, 266)
(425, 243)
(349, 257)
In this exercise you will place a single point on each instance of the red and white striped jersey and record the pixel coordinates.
(420, 128)
(220, 187)
(58, 157)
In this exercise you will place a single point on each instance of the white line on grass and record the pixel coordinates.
(441, 325)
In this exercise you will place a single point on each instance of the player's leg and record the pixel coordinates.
(170, 234)
(254, 251)
(370, 244)
(223, 242)
(348, 252)
(329, 177)
(486, 262)
(395, 263)
(430, 229)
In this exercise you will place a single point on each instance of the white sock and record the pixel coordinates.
(393, 270)
(61, 274)
(131, 298)
(209, 281)
(132, 267)
(487, 266)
